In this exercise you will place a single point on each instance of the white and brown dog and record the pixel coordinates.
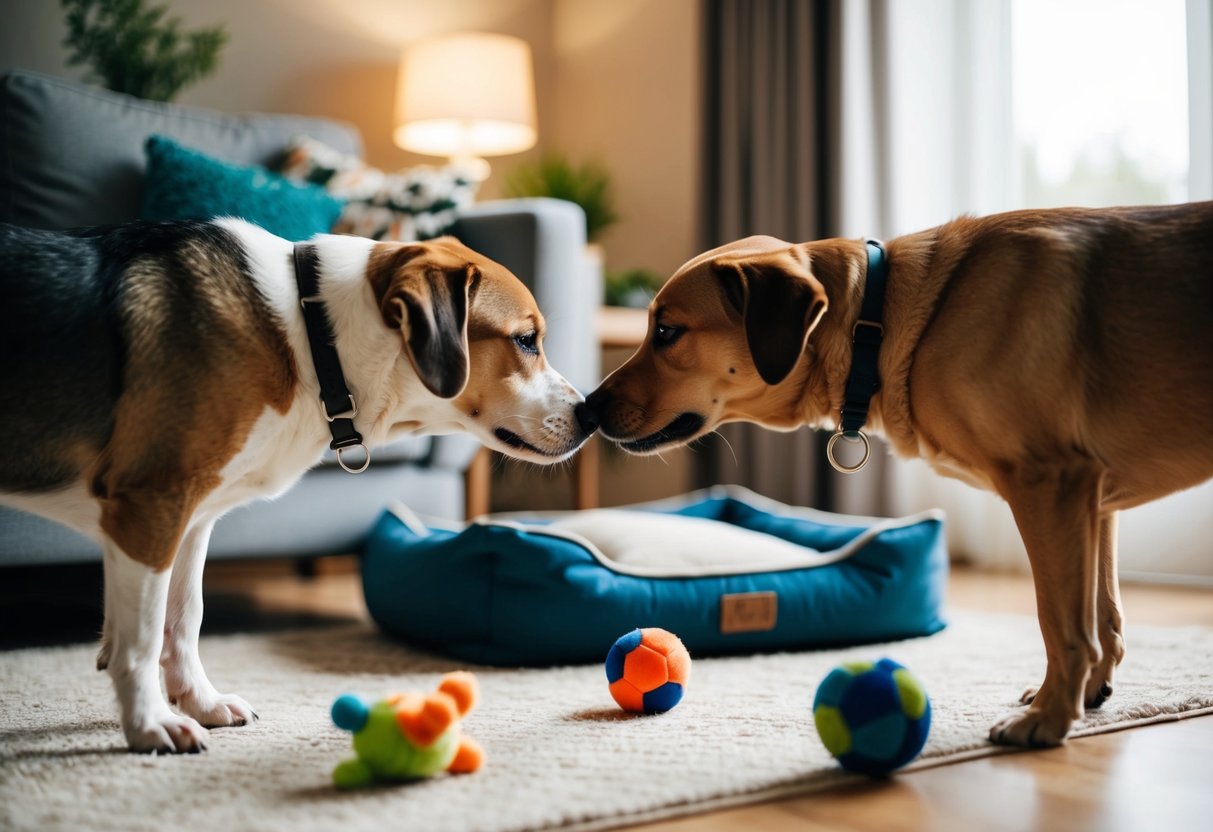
(159, 374)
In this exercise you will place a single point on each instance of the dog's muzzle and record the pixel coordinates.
(683, 427)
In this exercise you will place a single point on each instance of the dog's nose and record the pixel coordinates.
(587, 417)
(597, 401)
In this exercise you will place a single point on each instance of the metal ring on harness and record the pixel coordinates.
(850, 436)
(365, 462)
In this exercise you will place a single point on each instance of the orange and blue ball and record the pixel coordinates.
(648, 670)
(872, 716)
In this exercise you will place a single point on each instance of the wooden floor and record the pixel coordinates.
(1154, 778)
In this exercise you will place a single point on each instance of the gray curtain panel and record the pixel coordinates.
(767, 143)
(773, 137)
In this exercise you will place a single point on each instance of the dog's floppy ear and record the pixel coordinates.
(433, 301)
(779, 302)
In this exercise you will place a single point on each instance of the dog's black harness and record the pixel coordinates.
(336, 401)
(864, 379)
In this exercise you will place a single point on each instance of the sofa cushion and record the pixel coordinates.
(72, 155)
(184, 184)
(413, 204)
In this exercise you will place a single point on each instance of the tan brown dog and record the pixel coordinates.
(1061, 358)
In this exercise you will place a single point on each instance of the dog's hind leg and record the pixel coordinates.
(1110, 619)
(135, 596)
(1056, 511)
(186, 681)
(103, 651)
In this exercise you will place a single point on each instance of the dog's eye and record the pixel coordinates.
(527, 342)
(665, 335)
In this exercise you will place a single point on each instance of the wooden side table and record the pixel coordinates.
(477, 484)
(617, 327)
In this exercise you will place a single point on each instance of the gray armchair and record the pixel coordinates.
(72, 155)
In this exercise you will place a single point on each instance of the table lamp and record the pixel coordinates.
(466, 96)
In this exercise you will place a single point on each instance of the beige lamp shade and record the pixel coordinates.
(465, 96)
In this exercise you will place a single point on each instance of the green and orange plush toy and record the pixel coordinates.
(409, 735)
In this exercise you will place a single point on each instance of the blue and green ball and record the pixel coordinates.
(872, 716)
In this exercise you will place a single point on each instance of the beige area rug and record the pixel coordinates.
(559, 753)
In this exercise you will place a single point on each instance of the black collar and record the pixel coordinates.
(336, 400)
(864, 378)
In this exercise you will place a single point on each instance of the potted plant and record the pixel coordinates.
(133, 48)
(631, 287)
(587, 184)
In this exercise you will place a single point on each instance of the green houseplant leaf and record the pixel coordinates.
(631, 287)
(135, 49)
(588, 185)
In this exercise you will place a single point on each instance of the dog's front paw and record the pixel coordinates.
(1035, 727)
(214, 709)
(1097, 692)
(166, 733)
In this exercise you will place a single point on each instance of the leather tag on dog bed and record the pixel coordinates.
(748, 612)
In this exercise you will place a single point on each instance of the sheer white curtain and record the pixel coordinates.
(1172, 539)
(928, 134)
(1200, 99)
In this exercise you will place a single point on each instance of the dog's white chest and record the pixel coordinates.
(277, 452)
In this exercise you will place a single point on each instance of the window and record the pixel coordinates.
(1100, 101)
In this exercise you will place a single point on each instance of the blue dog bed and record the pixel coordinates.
(725, 569)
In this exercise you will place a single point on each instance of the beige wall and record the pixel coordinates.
(627, 91)
(613, 79)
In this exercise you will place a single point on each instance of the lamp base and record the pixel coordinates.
(474, 168)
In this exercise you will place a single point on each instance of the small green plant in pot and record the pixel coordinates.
(133, 48)
(587, 184)
(631, 287)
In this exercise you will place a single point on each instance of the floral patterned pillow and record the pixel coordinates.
(414, 204)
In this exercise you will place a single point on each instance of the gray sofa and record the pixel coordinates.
(72, 155)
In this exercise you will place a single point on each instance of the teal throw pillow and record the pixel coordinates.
(184, 184)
